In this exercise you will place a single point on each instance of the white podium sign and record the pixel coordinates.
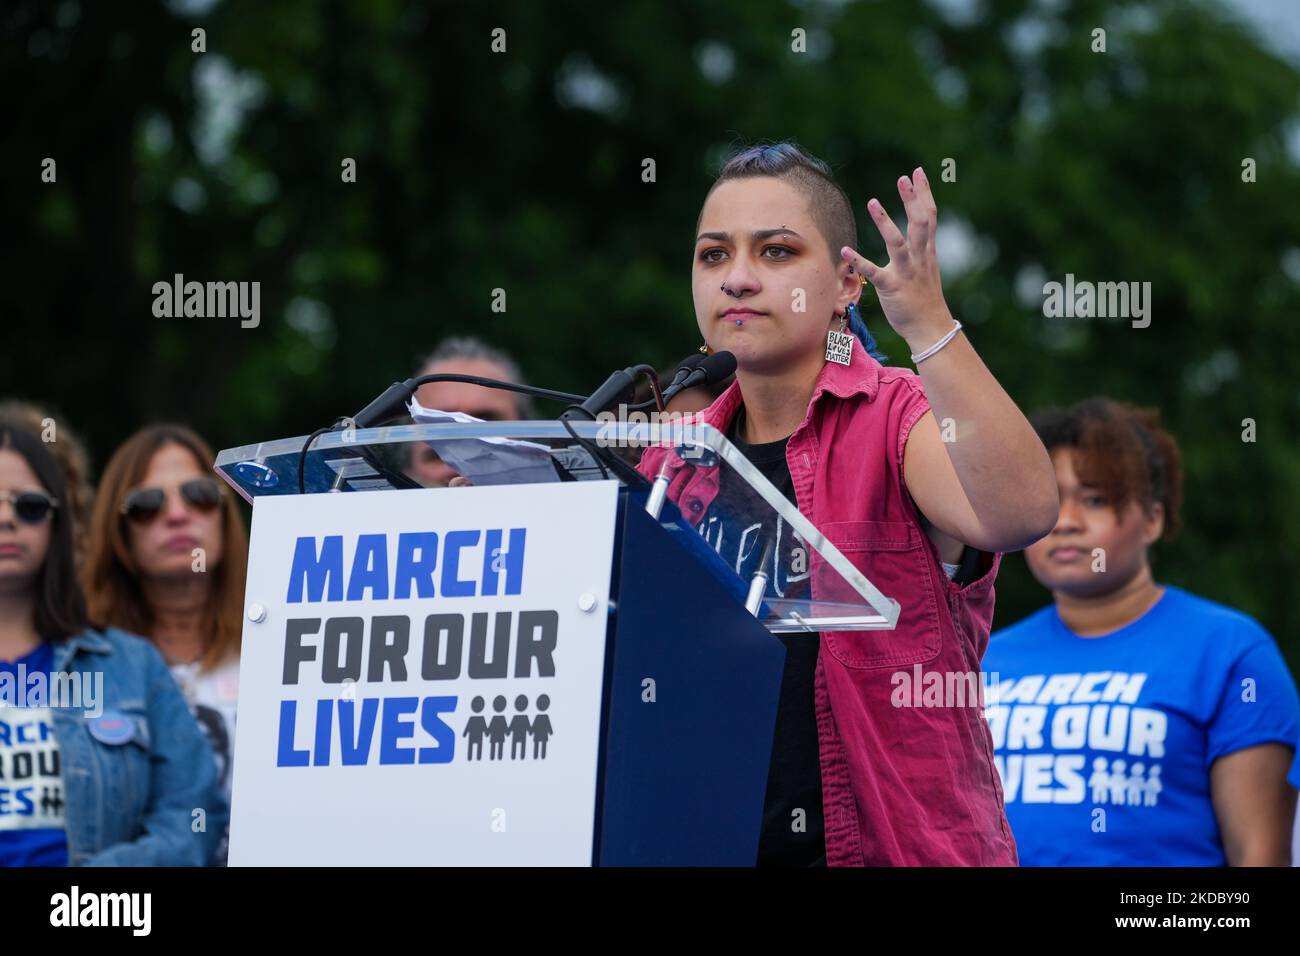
(421, 676)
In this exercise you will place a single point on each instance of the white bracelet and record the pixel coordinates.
(918, 359)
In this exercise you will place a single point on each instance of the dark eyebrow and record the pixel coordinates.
(758, 235)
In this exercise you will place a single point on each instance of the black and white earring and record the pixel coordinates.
(839, 345)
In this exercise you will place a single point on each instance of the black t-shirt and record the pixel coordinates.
(738, 524)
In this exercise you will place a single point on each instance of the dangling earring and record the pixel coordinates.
(839, 345)
(705, 350)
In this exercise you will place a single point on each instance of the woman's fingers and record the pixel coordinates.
(925, 195)
(920, 225)
(862, 266)
(922, 219)
(894, 240)
(922, 183)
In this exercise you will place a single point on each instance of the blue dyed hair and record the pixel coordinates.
(827, 203)
(858, 326)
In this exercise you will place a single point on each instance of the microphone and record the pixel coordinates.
(614, 388)
(692, 362)
(683, 370)
(712, 370)
(393, 401)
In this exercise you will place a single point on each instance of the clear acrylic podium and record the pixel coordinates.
(668, 794)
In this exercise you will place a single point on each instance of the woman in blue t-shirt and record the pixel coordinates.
(1134, 723)
(101, 762)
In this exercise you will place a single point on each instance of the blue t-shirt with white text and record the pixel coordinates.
(1104, 744)
(32, 823)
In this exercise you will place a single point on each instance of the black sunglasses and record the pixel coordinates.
(144, 504)
(31, 507)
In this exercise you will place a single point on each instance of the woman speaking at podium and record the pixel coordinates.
(920, 478)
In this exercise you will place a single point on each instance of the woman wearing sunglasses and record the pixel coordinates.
(72, 457)
(117, 773)
(167, 559)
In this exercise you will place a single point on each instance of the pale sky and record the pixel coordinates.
(1278, 22)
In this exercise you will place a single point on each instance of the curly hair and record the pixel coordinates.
(1121, 450)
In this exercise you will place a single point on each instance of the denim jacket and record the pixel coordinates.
(135, 775)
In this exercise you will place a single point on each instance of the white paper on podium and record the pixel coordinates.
(487, 461)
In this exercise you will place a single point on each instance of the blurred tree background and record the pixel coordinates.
(522, 170)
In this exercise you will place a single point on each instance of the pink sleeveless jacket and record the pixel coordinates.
(901, 785)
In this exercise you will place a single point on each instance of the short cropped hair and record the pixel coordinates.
(468, 348)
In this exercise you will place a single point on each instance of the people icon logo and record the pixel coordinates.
(519, 728)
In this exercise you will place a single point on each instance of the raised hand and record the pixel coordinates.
(909, 289)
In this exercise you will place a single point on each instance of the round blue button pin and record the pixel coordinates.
(112, 727)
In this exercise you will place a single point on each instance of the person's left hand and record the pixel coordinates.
(909, 289)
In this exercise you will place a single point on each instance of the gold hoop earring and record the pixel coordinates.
(705, 350)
